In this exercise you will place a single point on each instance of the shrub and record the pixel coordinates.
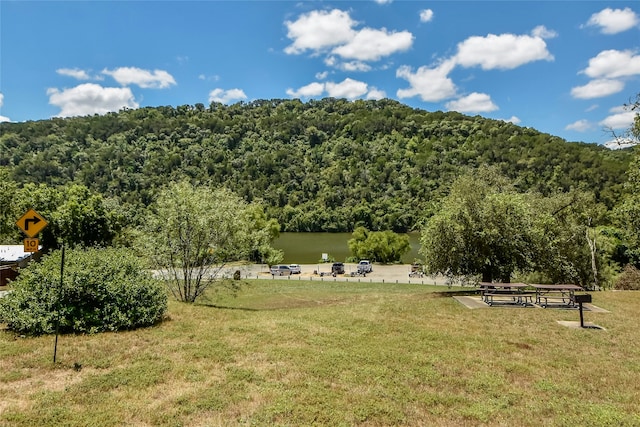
(629, 279)
(103, 290)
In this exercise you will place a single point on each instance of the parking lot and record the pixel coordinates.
(396, 273)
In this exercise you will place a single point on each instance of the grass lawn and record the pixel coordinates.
(322, 353)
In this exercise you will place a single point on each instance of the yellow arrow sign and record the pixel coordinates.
(31, 223)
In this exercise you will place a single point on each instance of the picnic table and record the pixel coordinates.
(507, 293)
(559, 294)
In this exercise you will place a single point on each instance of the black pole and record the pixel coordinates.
(55, 347)
(581, 316)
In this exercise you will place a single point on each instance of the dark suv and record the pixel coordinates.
(337, 268)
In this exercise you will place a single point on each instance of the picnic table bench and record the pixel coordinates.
(562, 295)
(506, 293)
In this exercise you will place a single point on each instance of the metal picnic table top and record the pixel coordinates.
(557, 287)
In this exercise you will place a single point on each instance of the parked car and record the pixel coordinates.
(295, 268)
(365, 266)
(337, 268)
(280, 270)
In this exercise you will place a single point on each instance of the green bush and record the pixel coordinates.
(103, 290)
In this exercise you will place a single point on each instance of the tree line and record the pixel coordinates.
(325, 165)
(492, 198)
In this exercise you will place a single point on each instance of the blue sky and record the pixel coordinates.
(562, 67)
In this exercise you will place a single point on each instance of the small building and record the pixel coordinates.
(12, 258)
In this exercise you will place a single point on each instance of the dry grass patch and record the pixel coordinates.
(304, 353)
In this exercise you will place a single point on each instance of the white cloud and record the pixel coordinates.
(383, 1)
(613, 21)
(319, 30)
(543, 32)
(352, 66)
(430, 84)
(621, 118)
(505, 51)
(426, 15)
(158, 79)
(213, 78)
(3, 118)
(310, 90)
(323, 75)
(370, 44)
(597, 89)
(375, 93)
(226, 96)
(348, 88)
(473, 103)
(333, 33)
(90, 98)
(76, 73)
(513, 119)
(580, 126)
(613, 64)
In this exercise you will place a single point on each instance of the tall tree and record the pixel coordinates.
(570, 246)
(628, 210)
(483, 228)
(194, 232)
(8, 212)
(378, 246)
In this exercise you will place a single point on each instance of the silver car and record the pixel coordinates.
(295, 268)
(280, 270)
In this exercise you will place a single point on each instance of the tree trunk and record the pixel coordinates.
(506, 278)
(487, 277)
(594, 265)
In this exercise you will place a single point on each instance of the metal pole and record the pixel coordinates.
(581, 317)
(55, 347)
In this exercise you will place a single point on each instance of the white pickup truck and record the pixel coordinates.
(365, 266)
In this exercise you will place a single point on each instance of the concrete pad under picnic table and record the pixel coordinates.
(471, 301)
(475, 301)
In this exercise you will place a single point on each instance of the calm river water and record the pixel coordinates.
(307, 248)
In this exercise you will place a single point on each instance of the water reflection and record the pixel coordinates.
(307, 248)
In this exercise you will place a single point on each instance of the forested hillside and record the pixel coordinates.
(327, 165)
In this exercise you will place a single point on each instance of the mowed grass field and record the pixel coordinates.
(296, 353)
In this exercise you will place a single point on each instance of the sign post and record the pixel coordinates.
(32, 223)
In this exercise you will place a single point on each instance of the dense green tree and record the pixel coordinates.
(486, 228)
(572, 243)
(76, 215)
(193, 232)
(483, 228)
(627, 212)
(378, 246)
(85, 218)
(8, 209)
